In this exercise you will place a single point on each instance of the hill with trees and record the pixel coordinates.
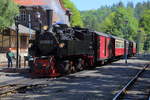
(127, 21)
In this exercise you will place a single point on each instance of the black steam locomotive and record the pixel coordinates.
(62, 50)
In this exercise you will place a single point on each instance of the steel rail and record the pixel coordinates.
(132, 81)
(23, 84)
(5, 89)
(3, 86)
(18, 87)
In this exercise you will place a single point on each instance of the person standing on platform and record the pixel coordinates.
(10, 56)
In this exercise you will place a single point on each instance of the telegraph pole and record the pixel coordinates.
(17, 40)
(126, 46)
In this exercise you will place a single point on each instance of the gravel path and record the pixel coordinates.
(101, 83)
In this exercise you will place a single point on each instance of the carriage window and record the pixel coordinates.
(117, 45)
(122, 45)
(134, 45)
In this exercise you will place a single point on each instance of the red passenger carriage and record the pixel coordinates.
(105, 47)
(119, 46)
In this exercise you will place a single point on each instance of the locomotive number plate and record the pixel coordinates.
(46, 42)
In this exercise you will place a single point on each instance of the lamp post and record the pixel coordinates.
(138, 41)
(38, 16)
(29, 20)
(17, 40)
(126, 47)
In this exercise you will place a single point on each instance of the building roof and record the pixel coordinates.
(37, 3)
(59, 11)
(30, 2)
(23, 29)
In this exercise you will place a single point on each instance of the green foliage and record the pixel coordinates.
(111, 20)
(8, 10)
(130, 5)
(140, 8)
(145, 25)
(145, 21)
(120, 22)
(93, 18)
(76, 17)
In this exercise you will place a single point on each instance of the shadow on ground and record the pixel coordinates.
(99, 84)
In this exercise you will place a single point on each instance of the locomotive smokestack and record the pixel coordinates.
(49, 13)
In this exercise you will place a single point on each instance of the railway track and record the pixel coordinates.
(18, 88)
(22, 85)
(9, 89)
(122, 94)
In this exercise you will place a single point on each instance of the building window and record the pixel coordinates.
(23, 40)
(6, 41)
(13, 42)
(23, 16)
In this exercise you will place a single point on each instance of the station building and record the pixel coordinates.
(29, 23)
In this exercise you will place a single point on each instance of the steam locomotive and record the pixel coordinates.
(62, 50)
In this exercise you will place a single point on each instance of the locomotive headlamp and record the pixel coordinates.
(45, 28)
(61, 45)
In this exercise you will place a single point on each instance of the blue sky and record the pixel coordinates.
(94, 4)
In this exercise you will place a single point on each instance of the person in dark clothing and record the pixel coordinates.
(10, 56)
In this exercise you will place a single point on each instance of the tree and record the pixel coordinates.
(93, 18)
(116, 24)
(111, 20)
(76, 17)
(90, 22)
(145, 21)
(145, 24)
(130, 5)
(120, 4)
(8, 10)
(146, 46)
(140, 8)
